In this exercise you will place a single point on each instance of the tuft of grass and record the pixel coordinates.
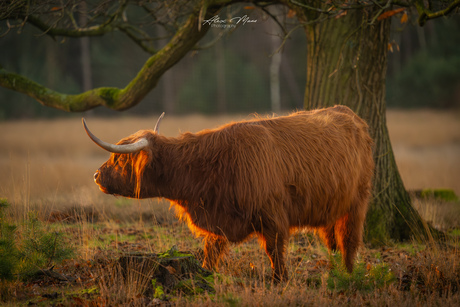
(442, 215)
(435, 270)
(441, 194)
(125, 285)
(363, 278)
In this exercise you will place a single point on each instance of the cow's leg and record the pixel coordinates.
(349, 232)
(328, 236)
(275, 245)
(214, 247)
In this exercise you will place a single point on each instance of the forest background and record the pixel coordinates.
(231, 76)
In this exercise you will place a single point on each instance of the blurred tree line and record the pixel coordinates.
(425, 72)
(233, 75)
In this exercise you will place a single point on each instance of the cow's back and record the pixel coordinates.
(311, 163)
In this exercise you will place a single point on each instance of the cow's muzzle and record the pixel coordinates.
(96, 175)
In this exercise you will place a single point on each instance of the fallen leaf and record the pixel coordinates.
(341, 14)
(171, 270)
(80, 301)
(291, 14)
(390, 47)
(388, 14)
(404, 17)
(321, 263)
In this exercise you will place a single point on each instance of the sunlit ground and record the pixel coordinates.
(47, 166)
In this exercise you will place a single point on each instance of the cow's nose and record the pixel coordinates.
(96, 174)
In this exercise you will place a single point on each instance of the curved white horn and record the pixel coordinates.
(121, 149)
(157, 125)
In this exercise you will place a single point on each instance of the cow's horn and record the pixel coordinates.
(157, 125)
(121, 149)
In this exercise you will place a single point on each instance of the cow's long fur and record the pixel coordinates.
(264, 176)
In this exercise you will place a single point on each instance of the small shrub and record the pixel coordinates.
(231, 300)
(28, 248)
(9, 254)
(363, 278)
(40, 249)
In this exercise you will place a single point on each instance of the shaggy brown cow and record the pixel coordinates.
(264, 176)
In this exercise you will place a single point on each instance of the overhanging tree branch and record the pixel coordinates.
(97, 30)
(426, 14)
(114, 98)
(130, 30)
(51, 30)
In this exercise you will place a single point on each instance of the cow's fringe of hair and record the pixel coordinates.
(139, 168)
(139, 162)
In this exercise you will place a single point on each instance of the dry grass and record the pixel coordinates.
(427, 147)
(48, 166)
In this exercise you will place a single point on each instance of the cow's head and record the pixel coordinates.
(124, 172)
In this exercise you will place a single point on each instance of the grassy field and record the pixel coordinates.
(46, 167)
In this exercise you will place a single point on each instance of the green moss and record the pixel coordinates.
(196, 285)
(123, 202)
(189, 287)
(92, 290)
(78, 292)
(441, 194)
(159, 291)
(455, 232)
(173, 253)
(113, 237)
(109, 94)
(230, 300)
(210, 279)
(412, 248)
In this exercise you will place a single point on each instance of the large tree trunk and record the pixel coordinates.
(346, 64)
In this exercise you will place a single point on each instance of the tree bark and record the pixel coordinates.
(346, 64)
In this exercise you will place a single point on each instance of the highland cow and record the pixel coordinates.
(269, 177)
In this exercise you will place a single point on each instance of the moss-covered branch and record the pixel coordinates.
(114, 98)
(426, 14)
